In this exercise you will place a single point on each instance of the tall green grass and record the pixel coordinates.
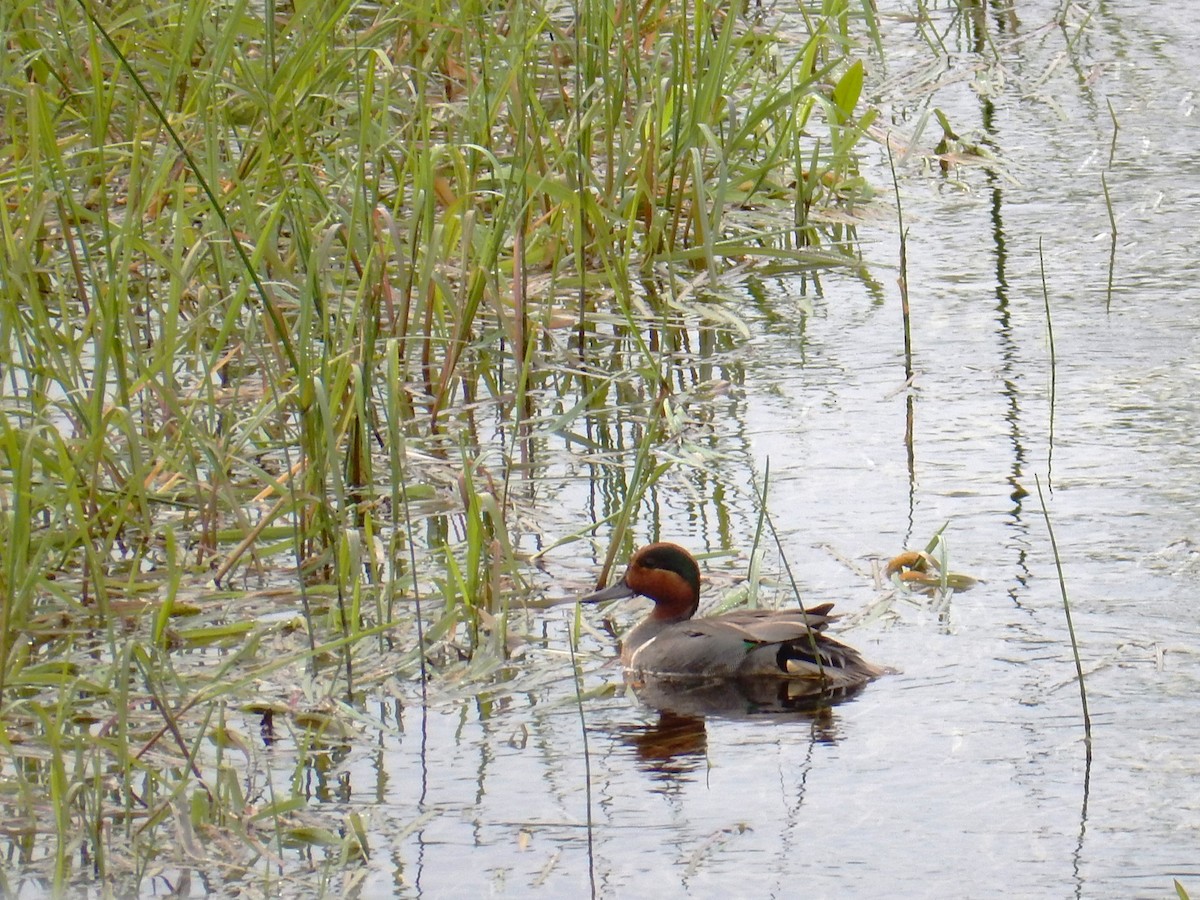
(290, 297)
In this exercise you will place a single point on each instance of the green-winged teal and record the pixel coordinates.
(752, 643)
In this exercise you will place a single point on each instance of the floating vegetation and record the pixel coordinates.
(919, 570)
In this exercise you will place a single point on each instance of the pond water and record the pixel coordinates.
(965, 773)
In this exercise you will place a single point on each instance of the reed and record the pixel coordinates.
(1112, 243)
(1062, 584)
(1053, 370)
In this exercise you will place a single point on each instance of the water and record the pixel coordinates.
(965, 773)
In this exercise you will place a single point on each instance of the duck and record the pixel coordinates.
(789, 644)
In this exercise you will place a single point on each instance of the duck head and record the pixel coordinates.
(664, 573)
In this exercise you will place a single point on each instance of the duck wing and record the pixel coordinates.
(723, 646)
(769, 626)
(792, 644)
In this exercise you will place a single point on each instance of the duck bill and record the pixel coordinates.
(618, 591)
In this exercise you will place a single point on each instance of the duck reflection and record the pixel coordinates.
(673, 745)
(738, 698)
(678, 741)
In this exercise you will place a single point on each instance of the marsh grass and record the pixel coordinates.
(294, 307)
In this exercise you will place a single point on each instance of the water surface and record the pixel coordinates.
(965, 773)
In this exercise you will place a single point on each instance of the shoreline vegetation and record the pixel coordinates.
(300, 304)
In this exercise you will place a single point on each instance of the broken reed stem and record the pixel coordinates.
(910, 411)
(903, 280)
(1053, 367)
(1112, 243)
(1062, 584)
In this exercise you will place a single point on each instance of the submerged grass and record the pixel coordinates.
(289, 320)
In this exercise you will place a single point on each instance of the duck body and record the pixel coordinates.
(746, 644)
